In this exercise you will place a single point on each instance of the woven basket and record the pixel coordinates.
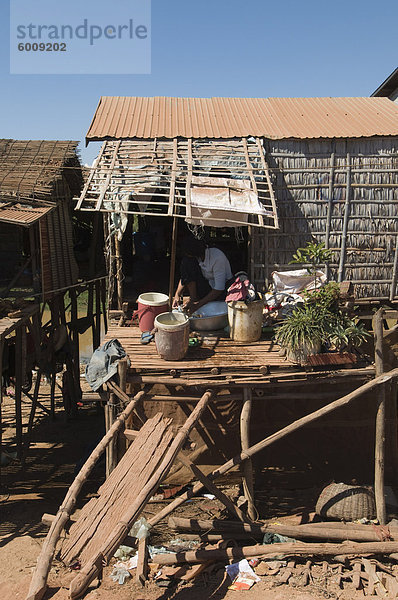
(346, 502)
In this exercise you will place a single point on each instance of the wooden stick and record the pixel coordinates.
(380, 433)
(247, 467)
(370, 385)
(38, 584)
(173, 260)
(286, 549)
(141, 574)
(91, 569)
(213, 489)
(364, 533)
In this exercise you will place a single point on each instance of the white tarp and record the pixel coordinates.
(293, 282)
(225, 199)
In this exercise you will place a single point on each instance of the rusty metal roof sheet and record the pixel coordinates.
(119, 117)
(22, 215)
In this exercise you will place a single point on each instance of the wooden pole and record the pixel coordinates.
(91, 569)
(18, 388)
(119, 273)
(247, 467)
(110, 418)
(291, 548)
(325, 531)
(330, 209)
(347, 206)
(38, 584)
(380, 433)
(345, 400)
(97, 314)
(173, 259)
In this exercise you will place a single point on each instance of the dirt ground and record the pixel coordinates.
(56, 451)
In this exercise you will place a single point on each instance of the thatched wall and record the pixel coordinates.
(321, 182)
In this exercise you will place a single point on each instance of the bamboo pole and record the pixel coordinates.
(330, 209)
(318, 531)
(38, 584)
(340, 273)
(268, 550)
(119, 274)
(380, 433)
(247, 467)
(345, 400)
(18, 387)
(173, 260)
(91, 569)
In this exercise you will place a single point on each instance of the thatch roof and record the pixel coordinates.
(32, 169)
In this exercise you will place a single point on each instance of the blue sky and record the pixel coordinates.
(251, 48)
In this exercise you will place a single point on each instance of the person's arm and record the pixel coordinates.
(178, 294)
(194, 306)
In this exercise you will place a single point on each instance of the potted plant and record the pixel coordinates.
(302, 333)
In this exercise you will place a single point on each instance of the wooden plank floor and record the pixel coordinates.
(214, 351)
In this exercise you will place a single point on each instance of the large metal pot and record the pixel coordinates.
(210, 317)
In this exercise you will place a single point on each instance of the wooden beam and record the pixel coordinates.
(347, 207)
(264, 164)
(170, 211)
(188, 210)
(90, 178)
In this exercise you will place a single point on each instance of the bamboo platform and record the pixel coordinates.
(216, 351)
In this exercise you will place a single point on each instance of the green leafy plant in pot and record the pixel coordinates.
(302, 333)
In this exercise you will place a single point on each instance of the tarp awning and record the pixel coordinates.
(209, 182)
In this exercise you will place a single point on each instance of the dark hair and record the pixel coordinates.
(191, 246)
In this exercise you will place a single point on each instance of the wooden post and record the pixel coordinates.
(119, 273)
(121, 441)
(247, 467)
(18, 389)
(142, 563)
(75, 335)
(173, 260)
(110, 417)
(97, 314)
(347, 207)
(330, 209)
(380, 434)
(103, 304)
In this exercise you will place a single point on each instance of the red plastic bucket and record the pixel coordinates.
(150, 305)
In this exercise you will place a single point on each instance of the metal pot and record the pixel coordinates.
(210, 317)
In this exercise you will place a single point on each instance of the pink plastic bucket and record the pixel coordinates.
(150, 305)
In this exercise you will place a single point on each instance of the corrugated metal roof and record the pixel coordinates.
(119, 117)
(23, 215)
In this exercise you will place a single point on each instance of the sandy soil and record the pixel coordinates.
(56, 451)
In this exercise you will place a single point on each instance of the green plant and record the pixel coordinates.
(327, 297)
(302, 327)
(314, 254)
(348, 334)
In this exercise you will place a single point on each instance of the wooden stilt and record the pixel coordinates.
(380, 433)
(111, 457)
(173, 259)
(103, 304)
(247, 467)
(34, 406)
(1, 397)
(18, 390)
(97, 314)
(119, 273)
